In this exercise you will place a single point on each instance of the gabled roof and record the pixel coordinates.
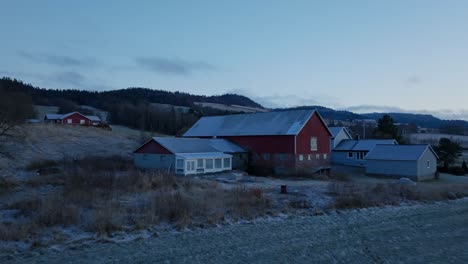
(53, 116)
(69, 114)
(203, 155)
(94, 118)
(336, 130)
(399, 152)
(255, 124)
(59, 116)
(197, 145)
(362, 144)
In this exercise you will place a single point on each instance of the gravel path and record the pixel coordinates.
(434, 233)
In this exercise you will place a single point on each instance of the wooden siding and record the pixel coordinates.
(162, 162)
(313, 128)
(153, 147)
(423, 171)
(265, 144)
(341, 158)
(76, 119)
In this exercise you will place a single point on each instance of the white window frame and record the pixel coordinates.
(317, 156)
(301, 157)
(227, 164)
(218, 161)
(313, 143)
(82, 121)
(207, 163)
(309, 157)
(200, 165)
(69, 121)
(325, 156)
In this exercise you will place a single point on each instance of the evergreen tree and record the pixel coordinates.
(387, 129)
(448, 151)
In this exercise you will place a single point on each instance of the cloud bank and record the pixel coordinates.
(172, 66)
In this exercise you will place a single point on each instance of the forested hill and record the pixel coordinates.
(328, 113)
(133, 107)
(130, 95)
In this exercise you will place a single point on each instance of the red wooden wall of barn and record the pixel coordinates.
(76, 119)
(313, 128)
(152, 147)
(265, 144)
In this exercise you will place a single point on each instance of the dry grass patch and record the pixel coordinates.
(353, 195)
(105, 195)
(7, 184)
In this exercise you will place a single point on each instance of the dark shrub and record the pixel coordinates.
(41, 164)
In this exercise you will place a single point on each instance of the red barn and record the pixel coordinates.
(281, 142)
(74, 118)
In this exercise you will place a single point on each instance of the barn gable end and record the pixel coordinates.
(152, 147)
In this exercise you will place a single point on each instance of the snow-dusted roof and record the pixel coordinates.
(336, 130)
(198, 145)
(53, 116)
(94, 118)
(59, 116)
(398, 152)
(203, 155)
(69, 114)
(256, 124)
(362, 144)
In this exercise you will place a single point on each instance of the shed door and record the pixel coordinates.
(190, 166)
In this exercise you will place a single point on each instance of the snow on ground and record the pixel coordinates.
(430, 233)
(51, 141)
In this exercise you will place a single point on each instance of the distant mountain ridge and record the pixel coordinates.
(108, 100)
(423, 120)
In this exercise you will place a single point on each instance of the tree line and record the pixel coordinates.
(132, 107)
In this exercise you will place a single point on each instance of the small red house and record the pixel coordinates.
(74, 118)
(283, 141)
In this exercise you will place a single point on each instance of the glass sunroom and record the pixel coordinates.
(199, 163)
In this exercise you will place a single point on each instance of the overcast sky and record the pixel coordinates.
(358, 55)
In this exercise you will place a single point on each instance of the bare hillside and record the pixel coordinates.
(48, 141)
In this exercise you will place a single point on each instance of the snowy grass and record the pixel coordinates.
(106, 194)
(359, 195)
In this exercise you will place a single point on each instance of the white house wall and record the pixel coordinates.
(341, 136)
(423, 171)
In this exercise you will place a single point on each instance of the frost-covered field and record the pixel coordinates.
(56, 142)
(426, 233)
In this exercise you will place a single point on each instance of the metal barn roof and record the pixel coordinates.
(198, 145)
(94, 118)
(203, 155)
(398, 152)
(256, 124)
(362, 144)
(53, 116)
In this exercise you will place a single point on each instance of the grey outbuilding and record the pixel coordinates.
(417, 162)
(353, 151)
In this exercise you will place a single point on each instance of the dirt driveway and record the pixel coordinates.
(434, 233)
